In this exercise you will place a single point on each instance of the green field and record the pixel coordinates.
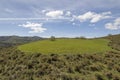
(62, 46)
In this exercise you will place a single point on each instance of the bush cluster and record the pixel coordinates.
(16, 65)
(114, 41)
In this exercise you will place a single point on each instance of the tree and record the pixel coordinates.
(109, 34)
(52, 38)
(82, 37)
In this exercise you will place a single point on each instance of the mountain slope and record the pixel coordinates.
(7, 41)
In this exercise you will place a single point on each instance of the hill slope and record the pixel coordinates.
(7, 41)
(16, 65)
(115, 41)
(67, 46)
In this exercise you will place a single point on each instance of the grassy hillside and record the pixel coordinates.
(16, 65)
(67, 46)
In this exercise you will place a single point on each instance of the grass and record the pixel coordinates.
(61, 46)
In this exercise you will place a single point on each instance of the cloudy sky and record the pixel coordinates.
(60, 18)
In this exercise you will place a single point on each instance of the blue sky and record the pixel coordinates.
(60, 18)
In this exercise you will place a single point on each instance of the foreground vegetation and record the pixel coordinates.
(114, 41)
(61, 46)
(17, 65)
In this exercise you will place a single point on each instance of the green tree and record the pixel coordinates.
(52, 38)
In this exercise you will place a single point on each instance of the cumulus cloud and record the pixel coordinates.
(115, 25)
(55, 14)
(35, 27)
(93, 17)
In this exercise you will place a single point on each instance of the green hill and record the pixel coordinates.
(67, 46)
(16, 65)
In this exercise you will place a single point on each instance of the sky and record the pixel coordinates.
(60, 18)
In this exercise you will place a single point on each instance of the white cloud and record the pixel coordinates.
(35, 27)
(55, 14)
(93, 17)
(44, 11)
(28, 19)
(10, 19)
(115, 25)
(73, 23)
(68, 13)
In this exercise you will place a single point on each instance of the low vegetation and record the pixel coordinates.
(17, 65)
(61, 46)
(114, 41)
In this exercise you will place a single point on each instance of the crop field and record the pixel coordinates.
(63, 46)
